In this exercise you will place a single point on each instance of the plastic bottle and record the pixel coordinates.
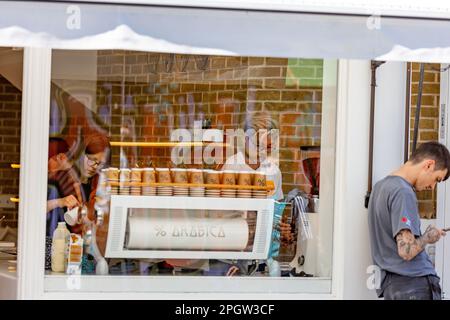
(274, 268)
(60, 245)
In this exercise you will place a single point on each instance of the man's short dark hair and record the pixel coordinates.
(435, 151)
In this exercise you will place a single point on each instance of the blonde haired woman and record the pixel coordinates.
(260, 151)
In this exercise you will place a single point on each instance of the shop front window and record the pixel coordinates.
(164, 164)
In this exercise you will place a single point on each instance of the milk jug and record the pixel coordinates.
(60, 245)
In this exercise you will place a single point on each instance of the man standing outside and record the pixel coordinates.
(397, 244)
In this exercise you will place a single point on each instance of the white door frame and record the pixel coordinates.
(33, 171)
(443, 191)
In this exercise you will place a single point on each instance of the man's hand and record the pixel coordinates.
(409, 246)
(433, 234)
(69, 202)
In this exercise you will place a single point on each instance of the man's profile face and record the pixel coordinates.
(429, 177)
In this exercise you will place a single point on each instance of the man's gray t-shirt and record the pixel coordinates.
(393, 207)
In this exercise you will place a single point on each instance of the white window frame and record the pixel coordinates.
(33, 181)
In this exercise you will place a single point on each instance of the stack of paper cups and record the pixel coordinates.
(212, 177)
(148, 176)
(163, 176)
(229, 178)
(113, 177)
(259, 181)
(125, 179)
(136, 178)
(196, 177)
(245, 178)
(180, 176)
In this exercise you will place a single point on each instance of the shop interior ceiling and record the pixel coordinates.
(11, 60)
(250, 32)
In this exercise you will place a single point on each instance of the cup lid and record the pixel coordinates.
(162, 169)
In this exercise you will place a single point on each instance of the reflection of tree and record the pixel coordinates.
(202, 62)
(171, 62)
(72, 120)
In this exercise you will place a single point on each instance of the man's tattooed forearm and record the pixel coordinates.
(408, 246)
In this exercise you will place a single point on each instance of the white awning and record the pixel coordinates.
(225, 31)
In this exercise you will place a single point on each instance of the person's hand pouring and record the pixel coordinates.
(70, 202)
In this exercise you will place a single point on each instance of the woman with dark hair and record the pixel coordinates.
(63, 184)
(95, 157)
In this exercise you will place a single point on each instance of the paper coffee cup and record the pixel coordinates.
(164, 175)
(136, 174)
(125, 174)
(212, 177)
(112, 173)
(245, 178)
(229, 177)
(180, 175)
(148, 175)
(259, 179)
(196, 176)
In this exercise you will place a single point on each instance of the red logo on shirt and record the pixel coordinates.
(406, 221)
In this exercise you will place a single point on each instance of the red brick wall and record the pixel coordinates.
(428, 124)
(10, 115)
(162, 92)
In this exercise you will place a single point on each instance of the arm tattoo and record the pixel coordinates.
(409, 246)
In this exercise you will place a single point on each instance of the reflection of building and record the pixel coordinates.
(148, 94)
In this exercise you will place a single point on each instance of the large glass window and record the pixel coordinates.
(180, 165)
(11, 66)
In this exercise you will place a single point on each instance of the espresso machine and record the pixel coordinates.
(311, 168)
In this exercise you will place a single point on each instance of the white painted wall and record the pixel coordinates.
(353, 133)
(356, 255)
(389, 133)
